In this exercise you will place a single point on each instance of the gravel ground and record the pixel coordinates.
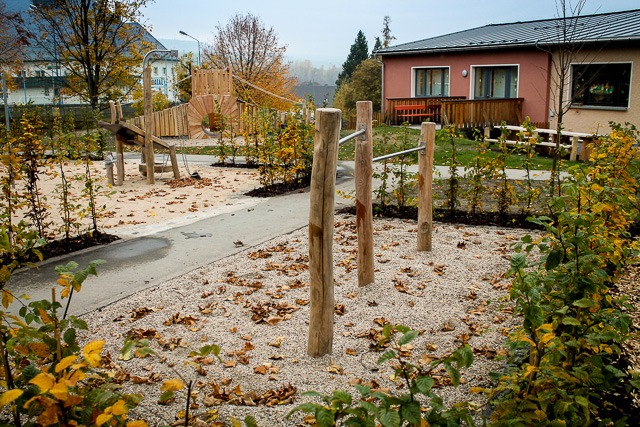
(254, 305)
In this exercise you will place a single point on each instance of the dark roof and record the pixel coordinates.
(605, 27)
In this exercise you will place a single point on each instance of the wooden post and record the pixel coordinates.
(120, 159)
(425, 185)
(120, 115)
(148, 127)
(174, 162)
(363, 175)
(112, 107)
(323, 185)
(108, 164)
(574, 149)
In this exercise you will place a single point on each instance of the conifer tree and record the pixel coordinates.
(358, 53)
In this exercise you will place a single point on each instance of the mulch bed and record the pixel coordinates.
(65, 246)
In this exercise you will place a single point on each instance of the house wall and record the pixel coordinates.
(596, 119)
(532, 75)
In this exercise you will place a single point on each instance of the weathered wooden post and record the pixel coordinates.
(108, 165)
(148, 127)
(425, 185)
(323, 185)
(574, 149)
(120, 159)
(363, 176)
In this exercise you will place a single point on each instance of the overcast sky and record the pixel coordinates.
(323, 31)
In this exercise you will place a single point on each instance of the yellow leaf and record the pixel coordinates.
(91, 352)
(172, 385)
(45, 382)
(75, 377)
(103, 418)
(10, 396)
(119, 408)
(476, 390)
(547, 337)
(7, 298)
(60, 391)
(65, 363)
(529, 370)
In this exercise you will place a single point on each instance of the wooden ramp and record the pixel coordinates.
(128, 134)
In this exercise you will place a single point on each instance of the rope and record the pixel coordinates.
(266, 91)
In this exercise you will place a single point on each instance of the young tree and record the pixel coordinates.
(365, 85)
(387, 38)
(358, 53)
(98, 43)
(256, 56)
(13, 39)
(565, 45)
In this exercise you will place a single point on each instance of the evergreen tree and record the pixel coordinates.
(386, 32)
(378, 45)
(358, 53)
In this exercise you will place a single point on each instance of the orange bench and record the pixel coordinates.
(410, 111)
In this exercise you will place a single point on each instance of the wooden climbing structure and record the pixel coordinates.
(128, 134)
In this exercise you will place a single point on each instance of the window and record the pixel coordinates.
(164, 71)
(155, 70)
(432, 82)
(605, 85)
(496, 82)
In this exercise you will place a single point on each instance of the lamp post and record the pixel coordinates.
(185, 34)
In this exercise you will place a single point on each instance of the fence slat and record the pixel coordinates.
(363, 177)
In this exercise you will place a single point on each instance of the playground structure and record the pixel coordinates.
(212, 108)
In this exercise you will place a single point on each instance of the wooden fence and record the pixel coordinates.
(480, 113)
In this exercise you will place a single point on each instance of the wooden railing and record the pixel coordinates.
(479, 113)
(212, 82)
(431, 105)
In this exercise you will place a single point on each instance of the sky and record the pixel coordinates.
(324, 31)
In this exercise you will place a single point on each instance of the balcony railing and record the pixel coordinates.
(431, 105)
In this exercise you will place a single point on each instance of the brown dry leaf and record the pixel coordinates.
(351, 295)
(472, 295)
(355, 381)
(139, 380)
(381, 321)
(201, 371)
(432, 347)
(230, 363)
(302, 301)
(447, 327)
(277, 357)
(246, 337)
(351, 352)
(143, 311)
(426, 359)
(262, 370)
(274, 320)
(277, 342)
(226, 381)
(248, 346)
(462, 245)
(335, 368)
(340, 309)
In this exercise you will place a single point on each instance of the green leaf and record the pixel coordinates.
(250, 421)
(583, 303)
(389, 418)
(411, 412)
(571, 321)
(343, 396)
(166, 396)
(324, 417)
(553, 260)
(402, 329)
(364, 390)
(69, 336)
(519, 261)
(388, 355)
(425, 383)
(407, 338)
(466, 355)
(127, 351)
(305, 407)
(453, 373)
(581, 400)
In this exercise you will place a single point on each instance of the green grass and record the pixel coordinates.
(466, 149)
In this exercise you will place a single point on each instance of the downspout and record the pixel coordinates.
(382, 103)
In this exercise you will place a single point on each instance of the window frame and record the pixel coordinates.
(577, 105)
(414, 72)
(472, 80)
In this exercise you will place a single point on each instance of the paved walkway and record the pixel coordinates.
(151, 254)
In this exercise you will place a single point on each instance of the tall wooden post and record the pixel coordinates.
(120, 159)
(323, 186)
(425, 185)
(574, 149)
(364, 175)
(148, 127)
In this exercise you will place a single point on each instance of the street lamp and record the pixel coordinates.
(185, 34)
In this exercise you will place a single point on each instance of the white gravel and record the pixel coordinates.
(441, 292)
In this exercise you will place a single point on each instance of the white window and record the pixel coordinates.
(431, 81)
(496, 82)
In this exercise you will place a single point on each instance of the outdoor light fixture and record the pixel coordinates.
(185, 34)
(465, 73)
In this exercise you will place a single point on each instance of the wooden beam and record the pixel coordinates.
(148, 126)
(323, 185)
(120, 159)
(425, 186)
(363, 176)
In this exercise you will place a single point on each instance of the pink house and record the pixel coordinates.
(485, 75)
